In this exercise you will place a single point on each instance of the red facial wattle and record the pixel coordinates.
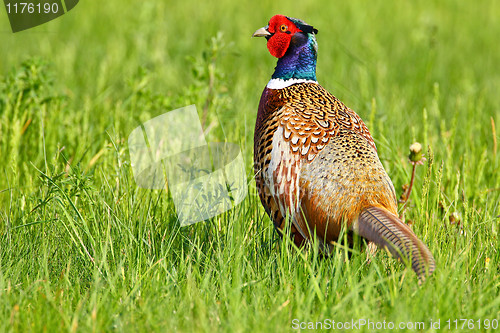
(282, 30)
(278, 44)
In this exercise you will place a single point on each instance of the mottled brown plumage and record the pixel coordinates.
(316, 163)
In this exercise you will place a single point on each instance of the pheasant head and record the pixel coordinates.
(293, 42)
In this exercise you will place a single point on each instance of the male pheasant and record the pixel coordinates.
(316, 163)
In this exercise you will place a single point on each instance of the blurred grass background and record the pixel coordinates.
(82, 248)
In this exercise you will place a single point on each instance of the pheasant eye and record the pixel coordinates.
(283, 28)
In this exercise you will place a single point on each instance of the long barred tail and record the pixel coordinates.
(387, 231)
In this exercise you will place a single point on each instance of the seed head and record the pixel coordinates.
(415, 152)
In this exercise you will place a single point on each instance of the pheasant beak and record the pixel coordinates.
(262, 32)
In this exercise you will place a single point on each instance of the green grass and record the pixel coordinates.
(83, 249)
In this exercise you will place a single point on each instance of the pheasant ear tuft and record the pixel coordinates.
(308, 29)
(313, 30)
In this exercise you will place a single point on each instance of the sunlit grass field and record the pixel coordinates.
(82, 248)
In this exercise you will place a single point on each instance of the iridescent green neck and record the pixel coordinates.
(299, 61)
